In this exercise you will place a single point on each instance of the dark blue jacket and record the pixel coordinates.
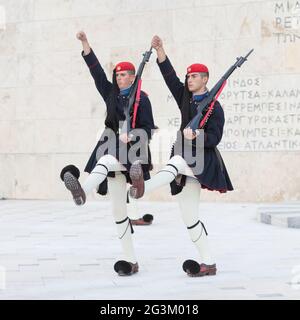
(144, 119)
(214, 175)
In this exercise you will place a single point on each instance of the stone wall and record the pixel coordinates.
(51, 113)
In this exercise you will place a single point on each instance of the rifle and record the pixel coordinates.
(134, 96)
(207, 104)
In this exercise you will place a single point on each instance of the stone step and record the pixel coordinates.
(284, 216)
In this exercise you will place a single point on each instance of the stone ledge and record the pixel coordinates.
(283, 216)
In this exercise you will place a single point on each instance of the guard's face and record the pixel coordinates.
(124, 79)
(196, 81)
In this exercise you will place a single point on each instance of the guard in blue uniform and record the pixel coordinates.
(106, 170)
(186, 182)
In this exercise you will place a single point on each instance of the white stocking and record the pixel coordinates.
(188, 200)
(99, 173)
(176, 165)
(118, 194)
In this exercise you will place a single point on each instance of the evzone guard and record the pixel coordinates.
(184, 180)
(105, 168)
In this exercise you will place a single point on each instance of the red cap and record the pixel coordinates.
(125, 66)
(197, 67)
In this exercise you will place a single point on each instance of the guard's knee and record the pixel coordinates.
(177, 161)
(106, 160)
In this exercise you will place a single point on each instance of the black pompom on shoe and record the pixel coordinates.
(146, 220)
(124, 268)
(70, 168)
(194, 269)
